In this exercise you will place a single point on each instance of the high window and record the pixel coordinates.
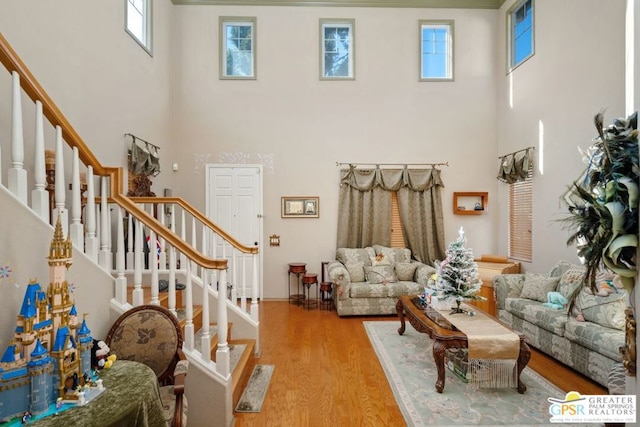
(138, 22)
(520, 218)
(237, 48)
(436, 50)
(337, 49)
(521, 35)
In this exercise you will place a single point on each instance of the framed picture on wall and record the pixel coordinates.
(300, 207)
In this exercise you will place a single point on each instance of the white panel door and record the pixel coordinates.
(234, 203)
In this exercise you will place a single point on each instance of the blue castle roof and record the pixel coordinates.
(61, 337)
(84, 334)
(39, 350)
(39, 355)
(73, 311)
(28, 309)
(9, 354)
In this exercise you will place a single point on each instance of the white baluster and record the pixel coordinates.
(205, 340)
(234, 277)
(76, 229)
(60, 193)
(183, 235)
(189, 332)
(172, 267)
(91, 240)
(223, 362)
(40, 195)
(17, 177)
(138, 293)
(255, 315)
(121, 280)
(162, 259)
(104, 257)
(130, 256)
(243, 291)
(153, 262)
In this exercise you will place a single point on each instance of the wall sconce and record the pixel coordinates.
(274, 240)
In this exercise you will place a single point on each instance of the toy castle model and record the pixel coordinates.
(49, 357)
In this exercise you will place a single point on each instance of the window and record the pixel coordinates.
(521, 37)
(436, 50)
(520, 219)
(238, 48)
(138, 22)
(337, 49)
(397, 236)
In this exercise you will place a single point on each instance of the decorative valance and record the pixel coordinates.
(143, 157)
(515, 166)
(390, 179)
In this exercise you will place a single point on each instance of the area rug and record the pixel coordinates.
(408, 364)
(256, 390)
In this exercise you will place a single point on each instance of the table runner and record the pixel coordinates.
(493, 348)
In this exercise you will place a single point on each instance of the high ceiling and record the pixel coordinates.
(452, 4)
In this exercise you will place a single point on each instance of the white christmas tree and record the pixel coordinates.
(457, 275)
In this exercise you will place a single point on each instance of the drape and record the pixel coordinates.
(364, 209)
(515, 167)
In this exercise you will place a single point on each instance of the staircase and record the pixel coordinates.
(213, 302)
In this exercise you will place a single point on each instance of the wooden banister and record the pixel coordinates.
(32, 88)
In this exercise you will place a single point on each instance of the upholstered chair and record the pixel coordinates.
(150, 334)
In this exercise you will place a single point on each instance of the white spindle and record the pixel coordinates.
(104, 257)
(121, 280)
(162, 258)
(223, 363)
(17, 177)
(76, 228)
(138, 295)
(60, 193)
(91, 240)
(130, 256)
(172, 267)
(205, 341)
(153, 262)
(189, 336)
(243, 291)
(40, 195)
(234, 276)
(255, 315)
(183, 235)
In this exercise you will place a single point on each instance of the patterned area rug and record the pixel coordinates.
(408, 363)
(253, 395)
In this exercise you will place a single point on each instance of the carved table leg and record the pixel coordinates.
(523, 359)
(438, 356)
(400, 311)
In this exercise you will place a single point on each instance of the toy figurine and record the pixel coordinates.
(26, 417)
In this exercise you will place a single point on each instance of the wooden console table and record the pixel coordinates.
(446, 336)
(488, 267)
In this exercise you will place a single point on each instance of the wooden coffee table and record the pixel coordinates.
(446, 336)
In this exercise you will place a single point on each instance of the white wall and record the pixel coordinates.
(577, 71)
(303, 126)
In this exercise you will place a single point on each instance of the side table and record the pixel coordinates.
(309, 279)
(326, 289)
(298, 269)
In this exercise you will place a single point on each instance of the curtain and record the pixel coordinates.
(364, 217)
(514, 167)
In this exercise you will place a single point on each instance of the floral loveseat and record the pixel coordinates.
(370, 280)
(589, 346)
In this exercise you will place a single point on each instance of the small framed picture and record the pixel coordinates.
(300, 207)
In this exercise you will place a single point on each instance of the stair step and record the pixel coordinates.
(163, 297)
(242, 370)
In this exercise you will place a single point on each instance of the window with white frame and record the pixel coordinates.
(436, 50)
(337, 49)
(237, 48)
(521, 33)
(138, 22)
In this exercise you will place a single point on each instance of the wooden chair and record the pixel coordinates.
(150, 334)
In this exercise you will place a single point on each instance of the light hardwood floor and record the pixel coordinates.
(327, 373)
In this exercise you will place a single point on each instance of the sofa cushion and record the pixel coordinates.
(397, 289)
(533, 312)
(345, 255)
(356, 270)
(606, 311)
(598, 338)
(405, 270)
(536, 286)
(380, 274)
(394, 254)
(368, 290)
(560, 267)
(571, 279)
(380, 259)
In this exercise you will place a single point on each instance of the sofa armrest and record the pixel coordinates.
(340, 277)
(507, 286)
(423, 273)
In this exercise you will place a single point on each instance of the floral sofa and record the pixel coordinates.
(370, 280)
(587, 340)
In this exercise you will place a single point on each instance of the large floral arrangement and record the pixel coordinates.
(456, 277)
(603, 202)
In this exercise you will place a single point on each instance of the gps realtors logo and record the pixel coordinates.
(593, 409)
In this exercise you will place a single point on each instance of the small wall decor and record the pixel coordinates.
(300, 207)
(274, 240)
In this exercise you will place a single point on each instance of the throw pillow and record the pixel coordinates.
(405, 270)
(356, 271)
(536, 286)
(394, 254)
(571, 280)
(345, 255)
(606, 311)
(380, 259)
(380, 274)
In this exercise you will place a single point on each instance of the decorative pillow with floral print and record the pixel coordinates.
(381, 274)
